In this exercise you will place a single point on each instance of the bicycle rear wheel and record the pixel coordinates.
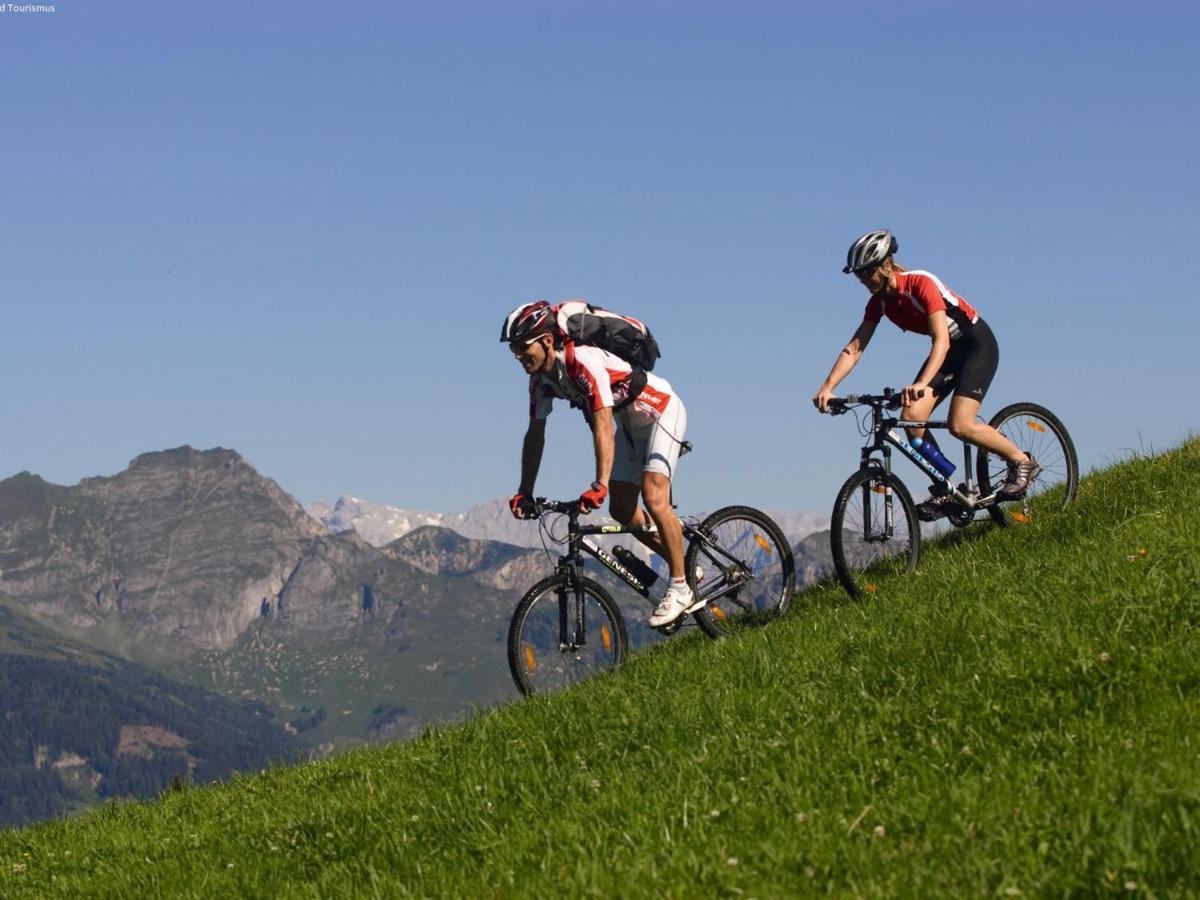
(539, 661)
(865, 549)
(1035, 430)
(739, 561)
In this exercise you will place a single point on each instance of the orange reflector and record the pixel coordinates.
(762, 542)
(606, 637)
(1019, 517)
(1036, 426)
(717, 613)
(530, 665)
(870, 588)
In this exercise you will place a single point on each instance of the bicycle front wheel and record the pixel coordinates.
(550, 649)
(1037, 431)
(741, 563)
(874, 532)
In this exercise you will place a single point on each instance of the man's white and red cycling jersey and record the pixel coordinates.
(917, 296)
(592, 379)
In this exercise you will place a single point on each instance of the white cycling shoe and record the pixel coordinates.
(677, 601)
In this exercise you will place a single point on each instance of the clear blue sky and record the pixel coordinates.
(293, 228)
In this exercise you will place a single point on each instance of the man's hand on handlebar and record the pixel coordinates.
(593, 497)
(523, 506)
(821, 399)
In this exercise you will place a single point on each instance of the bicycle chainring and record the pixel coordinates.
(960, 516)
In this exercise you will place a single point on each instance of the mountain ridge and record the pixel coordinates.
(380, 524)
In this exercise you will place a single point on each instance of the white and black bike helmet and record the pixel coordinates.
(870, 250)
(526, 322)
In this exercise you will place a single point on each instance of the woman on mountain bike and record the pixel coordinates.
(962, 359)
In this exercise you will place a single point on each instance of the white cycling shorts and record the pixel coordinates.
(649, 448)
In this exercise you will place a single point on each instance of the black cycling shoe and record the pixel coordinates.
(934, 508)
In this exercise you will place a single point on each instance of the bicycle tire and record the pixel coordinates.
(1034, 429)
(746, 566)
(535, 658)
(861, 570)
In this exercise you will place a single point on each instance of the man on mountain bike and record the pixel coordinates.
(637, 439)
(962, 359)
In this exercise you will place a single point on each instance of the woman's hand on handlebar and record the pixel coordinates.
(913, 393)
(821, 399)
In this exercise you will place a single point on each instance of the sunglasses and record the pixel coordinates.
(521, 347)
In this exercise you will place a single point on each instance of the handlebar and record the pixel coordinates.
(889, 399)
(543, 506)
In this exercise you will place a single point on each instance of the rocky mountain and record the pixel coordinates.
(185, 546)
(379, 524)
(814, 559)
(440, 551)
(193, 562)
(376, 524)
(192, 548)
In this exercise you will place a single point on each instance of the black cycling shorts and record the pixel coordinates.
(970, 365)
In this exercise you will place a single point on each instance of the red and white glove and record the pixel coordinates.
(522, 506)
(593, 497)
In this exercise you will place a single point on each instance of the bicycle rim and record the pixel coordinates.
(539, 662)
(865, 551)
(1035, 430)
(742, 564)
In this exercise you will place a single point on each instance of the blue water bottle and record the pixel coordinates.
(930, 451)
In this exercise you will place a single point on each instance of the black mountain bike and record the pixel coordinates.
(567, 627)
(875, 532)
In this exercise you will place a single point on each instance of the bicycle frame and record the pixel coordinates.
(885, 435)
(571, 564)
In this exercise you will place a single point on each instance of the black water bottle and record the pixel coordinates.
(931, 452)
(642, 572)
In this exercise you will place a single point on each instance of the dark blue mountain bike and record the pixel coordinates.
(875, 531)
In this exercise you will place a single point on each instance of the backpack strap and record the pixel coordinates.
(637, 382)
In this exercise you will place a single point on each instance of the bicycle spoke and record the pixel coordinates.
(865, 549)
(1036, 431)
(539, 661)
(740, 563)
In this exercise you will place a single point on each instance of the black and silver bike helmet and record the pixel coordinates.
(870, 250)
(526, 322)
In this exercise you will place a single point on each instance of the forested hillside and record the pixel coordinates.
(78, 726)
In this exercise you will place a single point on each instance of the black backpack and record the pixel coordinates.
(623, 336)
(582, 323)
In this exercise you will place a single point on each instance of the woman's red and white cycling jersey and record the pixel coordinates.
(593, 379)
(919, 295)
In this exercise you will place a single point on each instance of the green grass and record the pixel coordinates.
(1019, 718)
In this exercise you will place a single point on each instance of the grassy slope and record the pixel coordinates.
(1021, 717)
